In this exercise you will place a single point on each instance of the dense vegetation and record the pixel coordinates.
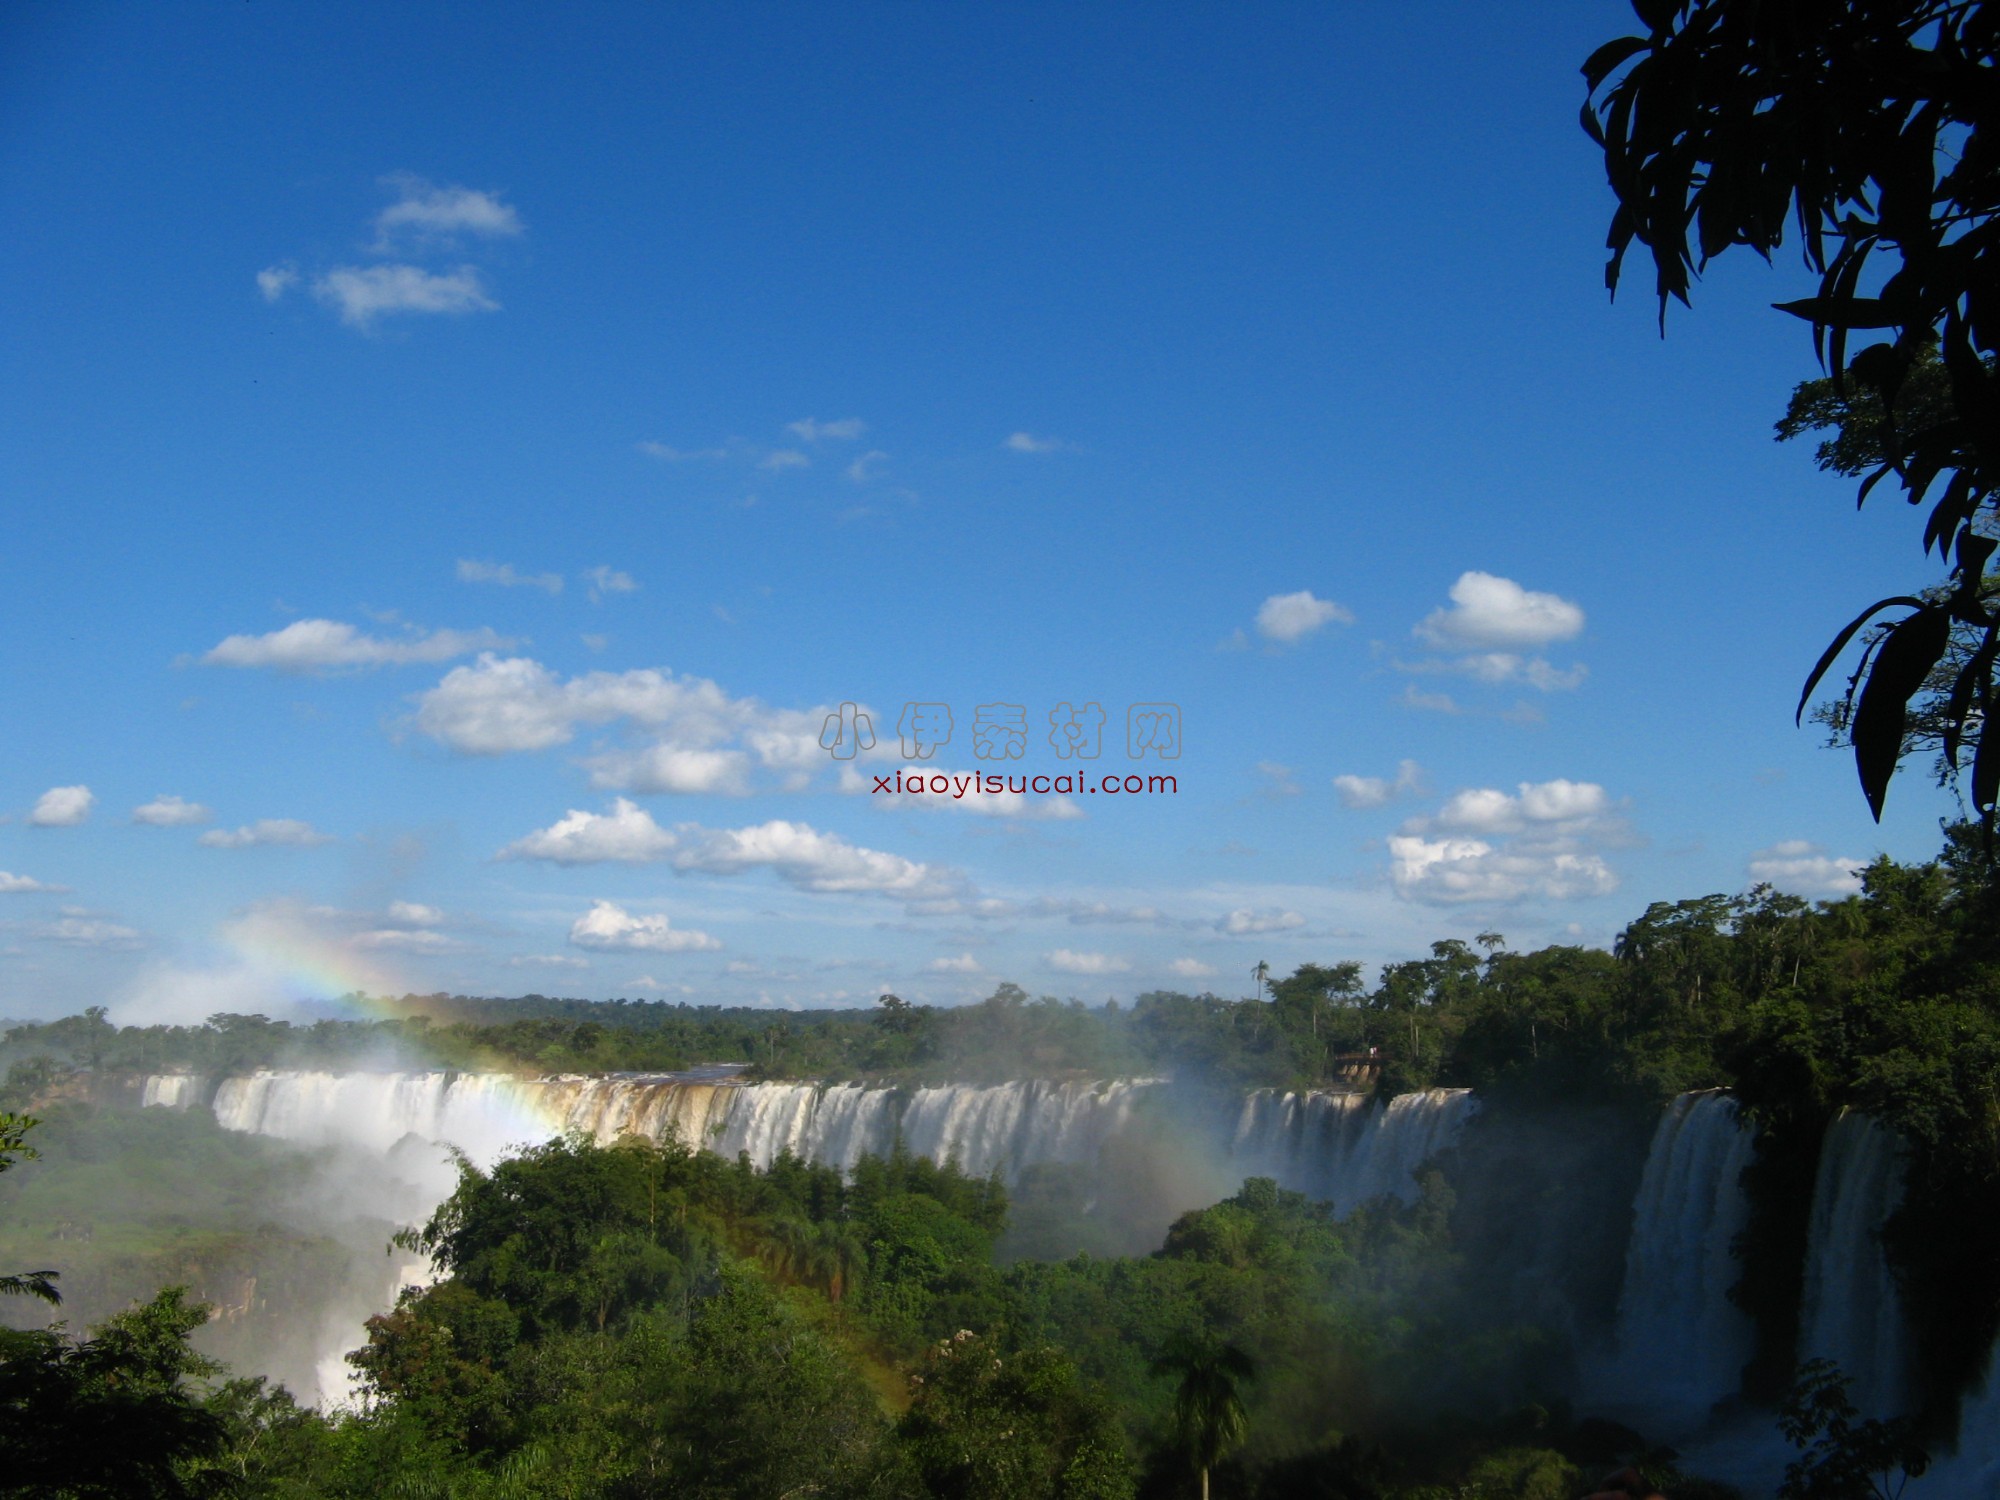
(640, 1320)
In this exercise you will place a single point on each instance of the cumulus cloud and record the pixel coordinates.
(500, 705)
(807, 430)
(24, 885)
(471, 570)
(1027, 442)
(274, 281)
(803, 857)
(1244, 922)
(266, 833)
(965, 963)
(1484, 844)
(609, 926)
(415, 914)
(427, 214)
(1191, 968)
(1488, 612)
(627, 834)
(673, 768)
(361, 294)
(603, 582)
(1068, 961)
(1289, 618)
(171, 812)
(1379, 791)
(1504, 667)
(330, 645)
(62, 807)
(1465, 869)
(1806, 869)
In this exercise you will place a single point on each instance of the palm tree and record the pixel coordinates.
(1209, 1421)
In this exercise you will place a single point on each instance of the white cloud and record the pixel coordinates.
(1027, 442)
(802, 856)
(81, 930)
(171, 812)
(23, 885)
(1483, 844)
(364, 293)
(862, 469)
(1191, 968)
(672, 455)
(607, 925)
(426, 214)
(806, 430)
(62, 807)
(1805, 869)
(415, 914)
(274, 281)
(1290, 618)
(404, 940)
(471, 570)
(784, 458)
(266, 832)
(1378, 791)
(1068, 961)
(1278, 780)
(1489, 612)
(499, 705)
(324, 645)
(1568, 805)
(963, 792)
(672, 768)
(1466, 869)
(547, 961)
(1503, 667)
(605, 581)
(626, 834)
(965, 963)
(1092, 913)
(1244, 922)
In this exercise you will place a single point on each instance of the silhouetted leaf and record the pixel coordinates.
(1905, 658)
(1840, 644)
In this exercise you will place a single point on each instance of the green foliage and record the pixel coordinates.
(114, 1416)
(989, 1424)
(1841, 1456)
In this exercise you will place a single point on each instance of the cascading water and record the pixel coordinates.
(1681, 1343)
(1347, 1148)
(1852, 1313)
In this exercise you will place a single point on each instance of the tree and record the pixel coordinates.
(1209, 1421)
(114, 1416)
(14, 1144)
(1841, 1458)
(1866, 123)
(1861, 425)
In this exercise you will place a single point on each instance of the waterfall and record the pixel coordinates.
(1851, 1313)
(1681, 1342)
(170, 1091)
(1347, 1147)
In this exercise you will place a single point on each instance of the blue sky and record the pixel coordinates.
(454, 460)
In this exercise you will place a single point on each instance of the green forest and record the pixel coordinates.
(640, 1319)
